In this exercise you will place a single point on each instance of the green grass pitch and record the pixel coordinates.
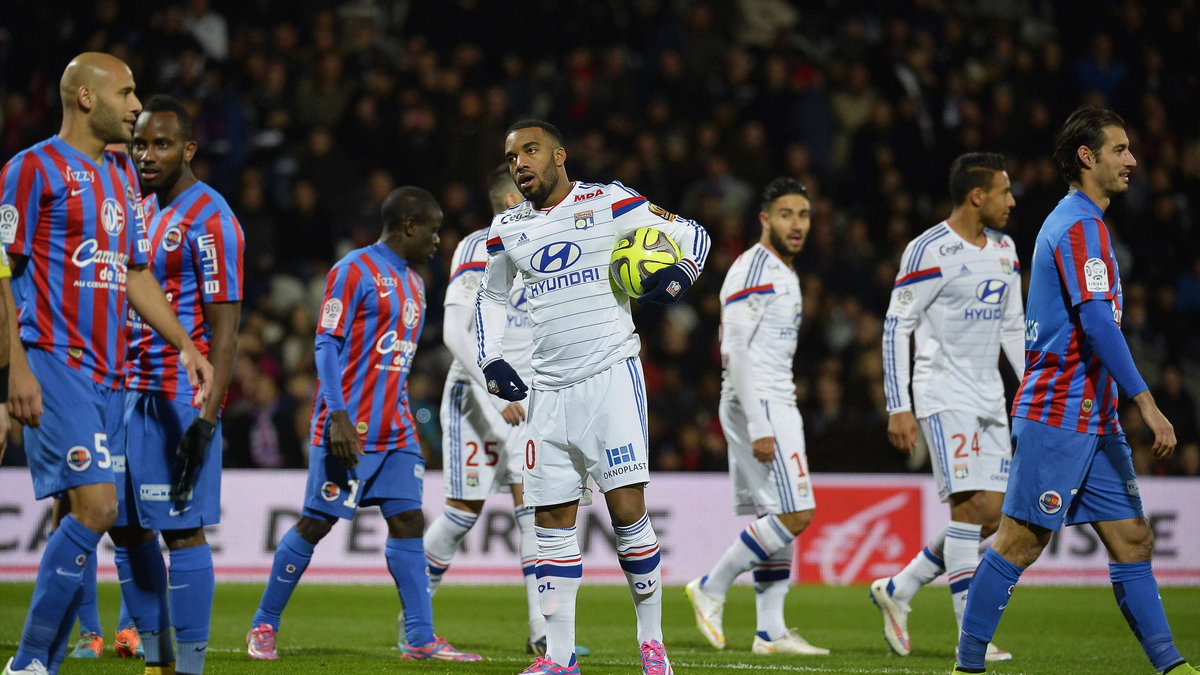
(352, 629)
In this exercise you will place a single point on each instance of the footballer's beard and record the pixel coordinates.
(166, 182)
(781, 246)
(543, 187)
(107, 125)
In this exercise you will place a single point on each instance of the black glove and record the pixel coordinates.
(664, 286)
(503, 381)
(191, 452)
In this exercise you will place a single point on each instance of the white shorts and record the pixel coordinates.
(778, 486)
(968, 452)
(481, 453)
(595, 428)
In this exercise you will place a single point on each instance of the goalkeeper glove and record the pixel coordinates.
(665, 286)
(190, 452)
(503, 381)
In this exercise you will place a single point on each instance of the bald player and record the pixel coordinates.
(69, 217)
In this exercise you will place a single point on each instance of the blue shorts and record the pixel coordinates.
(1062, 477)
(154, 426)
(392, 479)
(79, 440)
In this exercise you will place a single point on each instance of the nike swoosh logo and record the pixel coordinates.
(124, 581)
(175, 512)
(286, 581)
(384, 294)
(76, 193)
(175, 588)
(73, 575)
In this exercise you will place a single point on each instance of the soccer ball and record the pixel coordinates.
(638, 255)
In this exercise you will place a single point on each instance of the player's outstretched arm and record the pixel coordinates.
(146, 297)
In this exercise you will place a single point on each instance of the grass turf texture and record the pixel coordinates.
(352, 629)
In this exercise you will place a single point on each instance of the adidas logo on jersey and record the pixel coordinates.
(522, 240)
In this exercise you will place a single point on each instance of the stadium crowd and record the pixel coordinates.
(306, 124)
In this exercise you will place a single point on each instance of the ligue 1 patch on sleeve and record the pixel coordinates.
(1096, 274)
(331, 314)
(10, 217)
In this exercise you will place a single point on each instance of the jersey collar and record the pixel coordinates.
(1088, 205)
(389, 255)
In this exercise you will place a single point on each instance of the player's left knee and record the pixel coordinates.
(406, 525)
(177, 540)
(797, 521)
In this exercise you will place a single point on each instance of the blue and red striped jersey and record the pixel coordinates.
(1065, 384)
(375, 303)
(79, 225)
(196, 249)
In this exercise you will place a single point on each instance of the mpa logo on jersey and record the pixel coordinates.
(172, 238)
(1050, 502)
(330, 491)
(79, 458)
(556, 257)
(411, 314)
(1095, 274)
(584, 219)
(587, 196)
(112, 216)
(991, 291)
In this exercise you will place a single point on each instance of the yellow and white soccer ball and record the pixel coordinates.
(639, 254)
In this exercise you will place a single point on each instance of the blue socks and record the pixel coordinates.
(143, 577)
(406, 562)
(89, 607)
(59, 580)
(1137, 596)
(993, 583)
(192, 585)
(291, 559)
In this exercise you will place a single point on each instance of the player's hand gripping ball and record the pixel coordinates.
(638, 255)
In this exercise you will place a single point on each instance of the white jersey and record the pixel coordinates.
(761, 293)
(470, 259)
(581, 322)
(964, 303)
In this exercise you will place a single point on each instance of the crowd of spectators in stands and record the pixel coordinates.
(305, 124)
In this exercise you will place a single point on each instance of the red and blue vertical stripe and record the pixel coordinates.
(78, 223)
(196, 253)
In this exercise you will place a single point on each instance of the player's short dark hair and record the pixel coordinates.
(406, 203)
(551, 130)
(501, 184)
(163, 103)
(1085, 126)
(779, 187)
(973, 170)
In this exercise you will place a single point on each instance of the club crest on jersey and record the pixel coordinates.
(660, 212)
(1095, 274)
(472, 478)
(1050, 502)
(172, 238)
(112, 216)
(961, 471)
(556, 257)
(584, 219)
(330, 491)
(411, 314)
(1006, 266)
(1086, 406)
(10, 217)
(79, 458)
(361, 427)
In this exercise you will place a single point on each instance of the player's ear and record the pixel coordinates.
(560, 156)
(976, 196)
(83, 98)
(762, 219)
(189, 151)
(1085, 156)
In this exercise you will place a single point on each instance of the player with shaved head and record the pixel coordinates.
(69, 216)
